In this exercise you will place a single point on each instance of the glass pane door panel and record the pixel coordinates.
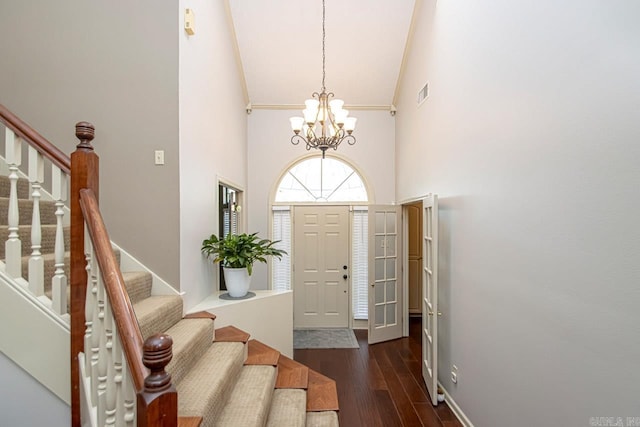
(379, 315)
(391, 246)
(391, 313)
(391, 223)
(379, 270)
(379, 293)
(391, 291)
(380, 244)
(380, 217)
(391, 268)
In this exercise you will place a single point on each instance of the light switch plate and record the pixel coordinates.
(159, 157)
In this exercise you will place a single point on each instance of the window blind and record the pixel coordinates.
(281, 269)
(359, 271)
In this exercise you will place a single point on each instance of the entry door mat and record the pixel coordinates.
(324, 338)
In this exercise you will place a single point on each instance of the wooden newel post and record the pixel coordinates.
(158, 402)
(84, 174)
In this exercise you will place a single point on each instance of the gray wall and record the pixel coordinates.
(20, 393)
(114, 64)
(531, 137)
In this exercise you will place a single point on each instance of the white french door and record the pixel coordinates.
(430, 311)
(385, 276)
(321, 251)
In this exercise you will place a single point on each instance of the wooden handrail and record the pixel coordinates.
(39, 142)
(122, 309)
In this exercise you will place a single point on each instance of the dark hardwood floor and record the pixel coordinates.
(381, 384)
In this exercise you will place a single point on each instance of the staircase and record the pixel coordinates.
(226, 378)
(222, 377)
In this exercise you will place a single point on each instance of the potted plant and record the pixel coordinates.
(237, 253)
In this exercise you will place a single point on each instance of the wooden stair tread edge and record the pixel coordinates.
(261, 354)
(322, 394)
(291, 374)
(200, 315)
(231, 334)
(189, 421)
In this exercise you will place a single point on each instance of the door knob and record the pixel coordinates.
(431, 313)
(344, 267)
(344, 276)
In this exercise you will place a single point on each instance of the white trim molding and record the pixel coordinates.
(466, 422)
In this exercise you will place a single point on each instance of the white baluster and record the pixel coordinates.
(90, 306)
(110, 409)
(102, 354)
(36, 262)
(13, 246)
(59, 281)
(117, 363)
(94, 338)
(129, 397)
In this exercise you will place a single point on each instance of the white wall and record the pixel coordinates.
(531, 139)
(213, 129)
(20, 393)
(271, 153)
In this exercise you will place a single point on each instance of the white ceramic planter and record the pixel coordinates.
(237, 281)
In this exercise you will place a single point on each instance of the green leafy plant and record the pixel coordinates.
(240, 250)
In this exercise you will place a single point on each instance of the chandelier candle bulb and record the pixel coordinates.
(296, 124)
(350, 124)
(328, 117)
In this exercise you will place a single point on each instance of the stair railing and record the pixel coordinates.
(123, 379)
(31, 275)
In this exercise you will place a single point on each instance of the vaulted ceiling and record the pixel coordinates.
(280, 48)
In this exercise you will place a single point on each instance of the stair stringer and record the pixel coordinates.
(40, 332)
(158, 286)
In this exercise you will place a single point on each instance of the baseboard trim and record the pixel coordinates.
(466, 422)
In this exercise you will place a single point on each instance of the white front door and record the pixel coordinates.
(385, 276)
(430, 295)
(321, 255)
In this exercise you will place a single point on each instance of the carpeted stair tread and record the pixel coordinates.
(25, 211)
(231, 334)
(261, 354)
(191, 339)
(47, 241)
(156, 314)
(291, 374)
(204, 391)
(322, 419)
(288, 408)
(23, 186)
(250, 400)
(322, 394)
(138, 284)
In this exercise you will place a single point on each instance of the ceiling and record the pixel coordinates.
(280, 46)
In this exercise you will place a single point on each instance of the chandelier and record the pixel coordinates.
(325, 123)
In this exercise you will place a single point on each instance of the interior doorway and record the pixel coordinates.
(413, 215)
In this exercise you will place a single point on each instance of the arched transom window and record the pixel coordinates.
(321, 180)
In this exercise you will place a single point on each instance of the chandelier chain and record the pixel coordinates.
(323, 43)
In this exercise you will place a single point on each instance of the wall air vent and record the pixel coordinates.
(423, 94)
